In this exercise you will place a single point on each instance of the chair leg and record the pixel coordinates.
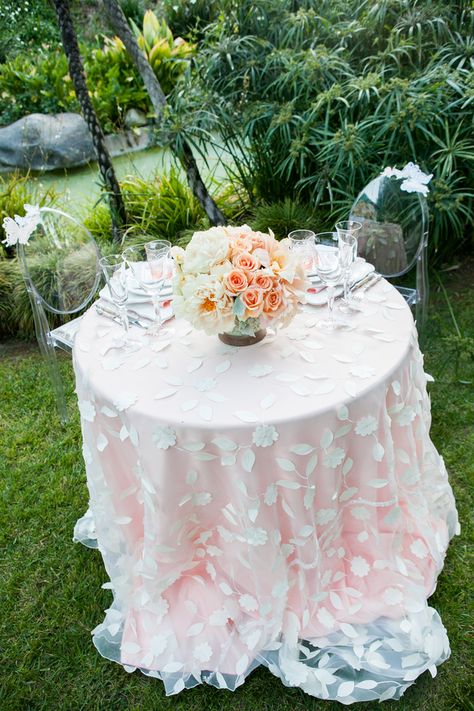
(48, 351)
(422, 287)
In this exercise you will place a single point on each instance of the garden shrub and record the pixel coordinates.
(133, 10)
(167, 55)
(287, 215)
(21, 22)
(35, 83)
(40, 81)
(189, 19)
(313, 100)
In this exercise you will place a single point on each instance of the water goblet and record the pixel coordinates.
(328, 269)
(348, 226)
(113, 268)
(150, 265)
(302, 243)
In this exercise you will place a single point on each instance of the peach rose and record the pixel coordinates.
(246, 261)
(273, 303)
(262, 281)
(252, 299)
(235, 281)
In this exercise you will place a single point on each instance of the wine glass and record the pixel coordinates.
(347, 244)
(302, 243)
(347, 238)
(328, 268)
(348, 227)
(115, 274)
(151, 266)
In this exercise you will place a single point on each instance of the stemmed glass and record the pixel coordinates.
(150, 265)
(347, 242)
(115, 274)
(302, 243)
(328, 268)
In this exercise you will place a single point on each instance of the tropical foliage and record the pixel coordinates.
(40, 82)
(311, 100)
(167, 55)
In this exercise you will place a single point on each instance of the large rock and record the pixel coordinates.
(46, 142)
(134, 118)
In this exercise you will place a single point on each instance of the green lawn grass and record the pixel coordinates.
(50, 588)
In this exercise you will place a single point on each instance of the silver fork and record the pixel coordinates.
(373, 279)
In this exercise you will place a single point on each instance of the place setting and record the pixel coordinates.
(339, 278)
(138, 291)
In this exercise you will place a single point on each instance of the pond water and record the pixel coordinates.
(79, 188)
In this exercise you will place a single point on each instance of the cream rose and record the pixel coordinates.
(205, 304)
(205, 250)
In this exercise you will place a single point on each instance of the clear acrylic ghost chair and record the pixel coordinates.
(394, 236)
(60, 266)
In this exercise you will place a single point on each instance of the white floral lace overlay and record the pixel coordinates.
(280, 504)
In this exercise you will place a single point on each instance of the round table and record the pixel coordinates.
(278, 504)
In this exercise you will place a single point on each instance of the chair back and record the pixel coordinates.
(394, 225)
(60, 263)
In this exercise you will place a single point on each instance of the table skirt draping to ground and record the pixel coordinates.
(309, 546)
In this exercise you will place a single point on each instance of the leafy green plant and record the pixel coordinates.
(168, 56)
(190, 18)
(133, 10)
(35, 83)
(114, 84)
(40, 82)
(312, 102)
(9, 277)
(22, 22)
(162, 207)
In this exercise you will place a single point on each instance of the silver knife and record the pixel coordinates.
(108, 312)
(364, 280)
(358, 283)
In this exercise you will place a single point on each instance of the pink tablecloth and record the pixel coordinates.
(280, 504)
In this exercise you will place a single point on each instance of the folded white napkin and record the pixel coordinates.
(139, 301)
(359, 270)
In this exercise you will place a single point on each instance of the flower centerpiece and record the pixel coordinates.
(234, 282)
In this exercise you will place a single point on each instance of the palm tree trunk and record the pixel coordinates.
(158, 99)
(76, 71)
